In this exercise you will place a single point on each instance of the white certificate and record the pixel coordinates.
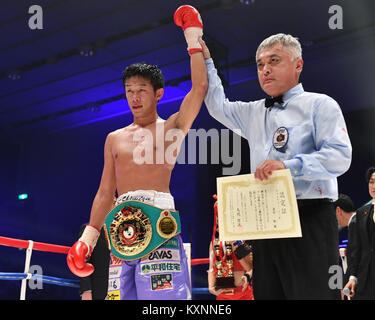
(250, 209)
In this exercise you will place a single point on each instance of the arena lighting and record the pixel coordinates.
(14, 74)
(23, 196)
(86, 50)
(95, 107)
(247, 2)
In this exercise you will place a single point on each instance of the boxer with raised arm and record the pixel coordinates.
(136, 165)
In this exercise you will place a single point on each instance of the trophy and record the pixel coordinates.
(223, 263)
(223, 266)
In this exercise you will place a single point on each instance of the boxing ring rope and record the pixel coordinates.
(45, 279)
(39, 246)
(195, 262)
(30, 245)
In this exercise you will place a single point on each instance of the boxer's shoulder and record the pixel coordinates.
(125, 131)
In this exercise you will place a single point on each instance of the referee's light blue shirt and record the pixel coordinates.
(318, 149)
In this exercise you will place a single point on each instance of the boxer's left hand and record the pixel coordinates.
(187, 16)
(189, 19)
(267, 167)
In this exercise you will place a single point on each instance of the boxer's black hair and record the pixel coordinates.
(142, 69)
(369, 173)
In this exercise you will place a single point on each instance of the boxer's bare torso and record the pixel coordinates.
(138, 151)
(139, 157)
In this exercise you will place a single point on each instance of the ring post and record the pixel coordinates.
(29, 251)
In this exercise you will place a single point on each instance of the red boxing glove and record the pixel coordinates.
(76, 259)
(189, 19)
(81, 251)
(187, 16)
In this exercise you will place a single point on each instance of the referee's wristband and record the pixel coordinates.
(242, 251)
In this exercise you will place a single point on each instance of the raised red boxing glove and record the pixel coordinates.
(187, 16)
(189, 19)
(81, 251)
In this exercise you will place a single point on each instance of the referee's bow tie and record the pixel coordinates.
(269, 102)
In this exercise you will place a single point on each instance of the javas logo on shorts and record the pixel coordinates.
(130, 230)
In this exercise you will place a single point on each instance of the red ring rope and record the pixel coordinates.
(200, 261)
(17, 243)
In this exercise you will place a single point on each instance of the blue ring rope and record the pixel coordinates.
(45, 279)
(63, 282)
(200, 291)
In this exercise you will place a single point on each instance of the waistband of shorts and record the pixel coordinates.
(159, 199)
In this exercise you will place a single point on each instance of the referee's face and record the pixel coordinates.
(277, 72)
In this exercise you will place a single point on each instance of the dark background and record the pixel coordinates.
(57, 106)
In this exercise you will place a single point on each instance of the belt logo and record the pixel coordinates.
(166, 224)
(130, 230)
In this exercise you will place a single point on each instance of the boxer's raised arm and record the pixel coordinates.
(192, 102)
(189, 19)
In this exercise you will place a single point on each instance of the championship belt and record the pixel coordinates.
(134, 229)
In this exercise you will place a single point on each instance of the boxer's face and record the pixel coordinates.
(371, 186)
(142, 98)
(277, 73)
